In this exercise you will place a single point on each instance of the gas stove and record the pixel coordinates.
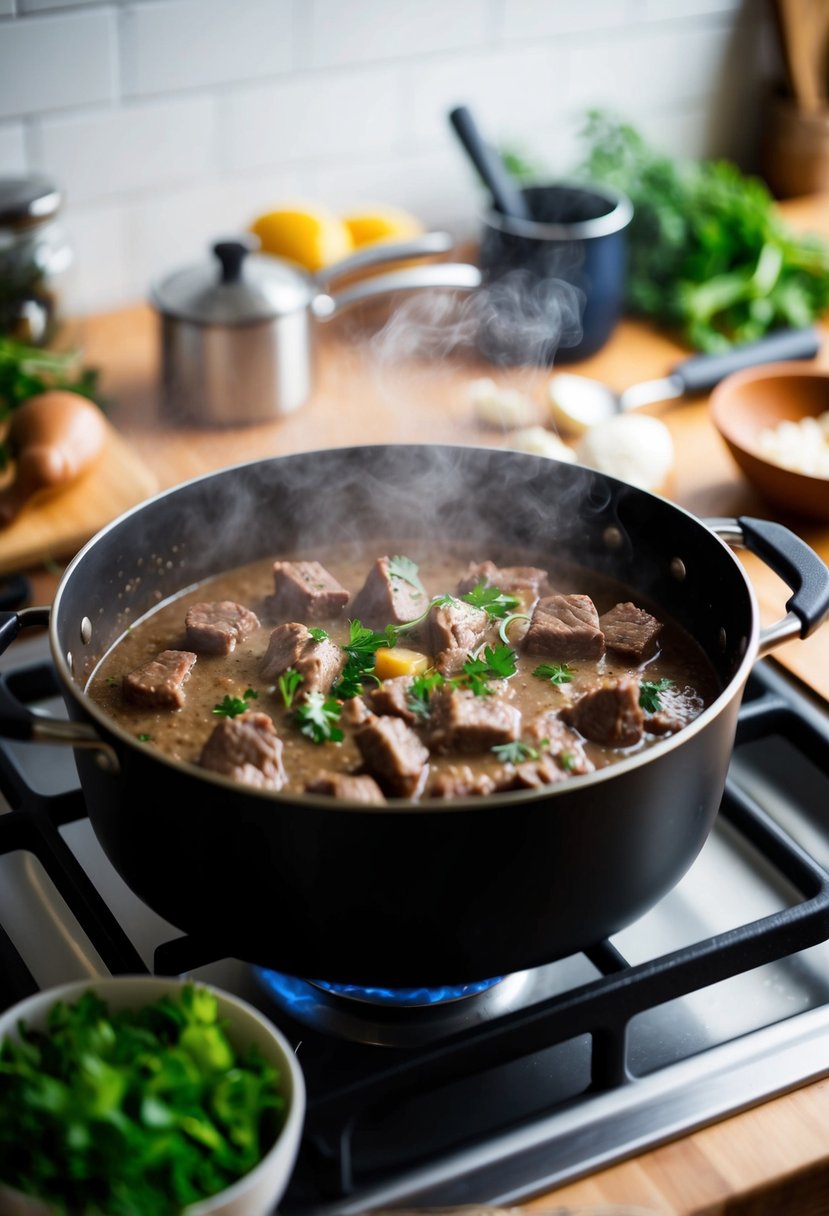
(715, 1000)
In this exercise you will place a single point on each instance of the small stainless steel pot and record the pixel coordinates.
(237, 332)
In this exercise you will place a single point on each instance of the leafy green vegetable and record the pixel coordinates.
(497, 664)
(135, 1112)
(515, 752)
(144, 737)
(406, 570)
(421, 689)
(567, 761)
(556, 673)
(287, 684)
(649, 691)
(231, 707)
(496, 602)
(317, 718)
(360, 650)
(319, 635)
(28, 370)
(708, 253)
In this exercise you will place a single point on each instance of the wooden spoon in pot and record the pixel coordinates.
(54, 438)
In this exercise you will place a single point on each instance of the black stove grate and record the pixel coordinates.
(376, 1081)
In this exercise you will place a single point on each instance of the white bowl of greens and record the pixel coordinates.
(145, 1096)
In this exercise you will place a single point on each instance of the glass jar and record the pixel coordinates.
(35, 257)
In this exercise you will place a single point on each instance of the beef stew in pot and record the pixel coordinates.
(398, 673)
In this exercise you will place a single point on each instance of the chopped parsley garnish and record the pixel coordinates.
(497, 664)
(141, 1110)
(420, 690)
(407, 571)
(112, 680)
(493, 600)
(144, 738)
(319, 635)
(317, 718)
(287, 684)
(515, 752)
(360, 649)
(231, 707)
(649, 691)
(556, 673)
(567, 761)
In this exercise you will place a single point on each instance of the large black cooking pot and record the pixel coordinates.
(427, 893)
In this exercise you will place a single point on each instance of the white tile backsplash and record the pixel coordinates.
(48, 63)
(139, 147)
(169, 123)
(12, 149)
(185, 44)
(362, 30)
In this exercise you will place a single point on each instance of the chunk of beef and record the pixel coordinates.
(392, 697)
(387, 599)
(216, 627)
(460, 781)
(462, 722)
(456, 625)
(246, 748)
(355, 712)
(663, 723)
(158, 684)
(292, 645)
(507, 578)
(565, 627)
(306, 590)
(609, 714)
(530, 775)
(562, 743)
(393, 754)
(630, 632)
(352, 787)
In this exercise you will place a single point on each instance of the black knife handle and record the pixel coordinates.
(703, 372)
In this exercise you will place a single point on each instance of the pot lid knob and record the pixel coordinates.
(231, 254)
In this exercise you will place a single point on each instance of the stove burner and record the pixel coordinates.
(393, 1017)
(406, 997)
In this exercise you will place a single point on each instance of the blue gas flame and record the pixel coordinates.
(293, 993)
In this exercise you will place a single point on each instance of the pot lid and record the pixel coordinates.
(235, 287)
(25, 201)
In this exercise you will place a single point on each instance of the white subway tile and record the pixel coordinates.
(510, 92)
(657, 67)
(659, 10)
(178, 229)
(184, 44)
(360, 30)
(138, 147)
(41, 6)
(527, 19)
(98, 278)
(12, 148)
(50, 62)
(6, 8)
(307, 117)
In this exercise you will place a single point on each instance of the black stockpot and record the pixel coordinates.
(435, 892)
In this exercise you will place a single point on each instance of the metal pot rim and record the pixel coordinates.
(614, 220)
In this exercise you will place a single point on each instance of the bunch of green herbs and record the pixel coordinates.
(135, 1112)
(709, 255)
(26, 371)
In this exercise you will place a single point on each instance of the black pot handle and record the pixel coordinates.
(795, 562)
(702, 372)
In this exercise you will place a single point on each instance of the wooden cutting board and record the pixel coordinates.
(56, 527)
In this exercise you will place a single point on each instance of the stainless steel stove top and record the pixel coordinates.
(521, 1088)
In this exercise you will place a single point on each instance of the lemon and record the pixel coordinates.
(381, 223)
(312, 236)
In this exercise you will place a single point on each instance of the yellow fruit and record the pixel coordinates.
(312, 236)
(398, 661)
(381, 224)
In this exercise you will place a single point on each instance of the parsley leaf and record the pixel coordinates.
(319, 635)
(514, 752)
(420, 690)
(317, 718)
(556, 673)
(567, 761)
(493, 600)
(144, 738)
(407, 571)
(497, 664)
(649, 691)
(360, 649)
(288, 683)
(231, 707)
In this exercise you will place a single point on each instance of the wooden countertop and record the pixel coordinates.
(774, 1158)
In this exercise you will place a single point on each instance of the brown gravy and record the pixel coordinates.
(182, 733)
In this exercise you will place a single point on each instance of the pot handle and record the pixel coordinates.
(425, 245)
(18, 722)
(795, 562)
(459, 275)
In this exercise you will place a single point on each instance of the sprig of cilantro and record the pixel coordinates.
(555, 673)
(231, 707)
(491, 664)
(495, 602)
(649, 691)
(407, 571)
(317, 718)
(288, 683)
(515, 752)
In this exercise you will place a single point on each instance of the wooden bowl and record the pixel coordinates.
(747, 403)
